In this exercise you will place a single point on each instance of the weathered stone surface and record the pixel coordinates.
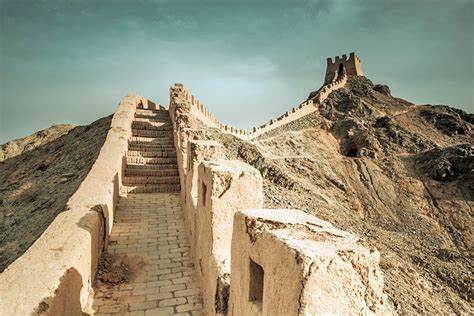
(286, 262)
(198, 151)
(224, 187)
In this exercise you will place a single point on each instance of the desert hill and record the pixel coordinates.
(40, 138)
(38, 174)
(399, 175)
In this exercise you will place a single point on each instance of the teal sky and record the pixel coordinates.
(248, 61)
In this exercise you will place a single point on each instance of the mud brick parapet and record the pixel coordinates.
(55, 275)
(224, 187)
(265, 262)
(198, 152)
(201, 112)
(286, 262)
(336, 77)
(304, 108)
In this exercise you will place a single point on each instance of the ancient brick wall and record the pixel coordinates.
(337, 81)
(252, 261)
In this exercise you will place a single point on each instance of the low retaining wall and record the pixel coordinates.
(264, 262)
(55, 275)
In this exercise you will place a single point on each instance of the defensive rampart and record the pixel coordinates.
(202, 113)
(253, 261)
(56, 274)
(303, 109)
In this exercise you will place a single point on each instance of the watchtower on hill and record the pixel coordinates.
(353, 66)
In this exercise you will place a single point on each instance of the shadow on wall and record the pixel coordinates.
(99, 235)
(67, 298)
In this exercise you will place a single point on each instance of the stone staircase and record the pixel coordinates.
(151, 165)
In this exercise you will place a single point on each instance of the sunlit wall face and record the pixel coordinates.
(71, 61)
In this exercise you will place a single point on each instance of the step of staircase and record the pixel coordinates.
(147, 147)
(152, 112)
(160, 126)
(152, 154)
(152, 133)
(148, 141)
(153, 119)
(161, 188)
(164, 166)
(151, 161)
(151, 172)
(151, 116)
(136, 180)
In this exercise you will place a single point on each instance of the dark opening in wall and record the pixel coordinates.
(350, 150)
(204, 193)
(341, 68)
(461, 131)
(256, 283)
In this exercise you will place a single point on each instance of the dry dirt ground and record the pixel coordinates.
(38, 174)
(399, 175)
(118, 268)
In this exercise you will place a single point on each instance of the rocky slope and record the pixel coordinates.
(38, 175)
(40, 138)
(399, 175)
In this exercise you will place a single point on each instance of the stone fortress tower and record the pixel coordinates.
(353, 67)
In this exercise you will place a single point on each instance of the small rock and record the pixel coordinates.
(384, 89)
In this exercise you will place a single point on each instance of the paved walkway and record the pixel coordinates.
(149, 231)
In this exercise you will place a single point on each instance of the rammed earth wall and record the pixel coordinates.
(56, 274)
(196, 109)
(252, 261)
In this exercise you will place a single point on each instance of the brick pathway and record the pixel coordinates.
(149, 233)
(149, 230)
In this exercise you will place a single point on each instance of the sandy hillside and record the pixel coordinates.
(399, 175)
(40, 138)
(37, 176)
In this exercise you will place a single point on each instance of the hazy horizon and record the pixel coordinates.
(71, 61)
